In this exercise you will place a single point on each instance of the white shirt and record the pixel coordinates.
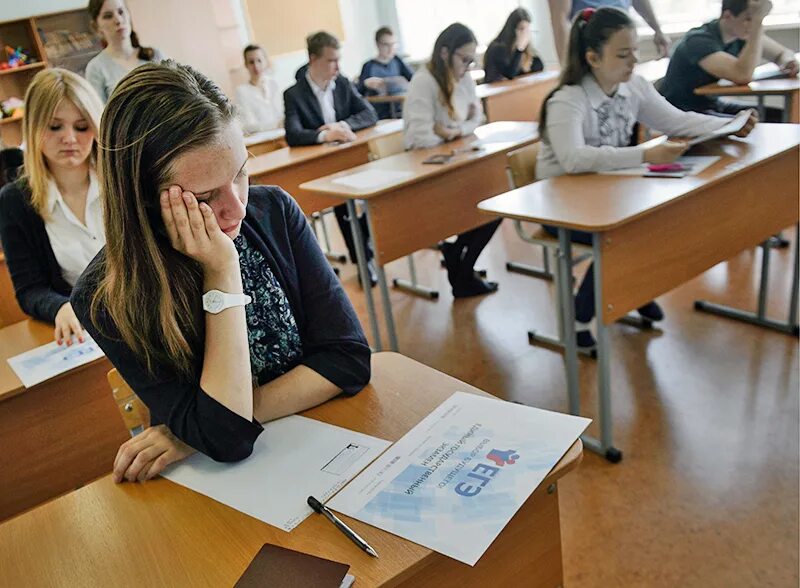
(326, 104)
(75, 244)
(260, 107)
(589, 131)
(423, 108)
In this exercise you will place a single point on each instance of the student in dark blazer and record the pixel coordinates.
(325, 107)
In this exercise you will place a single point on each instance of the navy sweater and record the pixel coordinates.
(499, 64)
(39, 286)
(333, 342)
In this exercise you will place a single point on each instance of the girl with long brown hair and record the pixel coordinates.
(51, 219)
(441, 106)
(123, 51)
(587, 124)
(511, 54)
(211, 298)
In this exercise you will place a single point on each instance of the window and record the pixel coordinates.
(421, 21)
(676, 16)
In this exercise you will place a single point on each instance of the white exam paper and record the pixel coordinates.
(456, 479)
(294, 458)
(372, 178)
(50, 360)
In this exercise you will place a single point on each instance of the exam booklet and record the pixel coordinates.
(456, 479)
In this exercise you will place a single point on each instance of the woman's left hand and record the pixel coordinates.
(145, 456)
(748, 126)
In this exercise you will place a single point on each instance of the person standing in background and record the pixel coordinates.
(122, 53)
(563, 11)
(511, 53)
(385, 74)
(259, 101)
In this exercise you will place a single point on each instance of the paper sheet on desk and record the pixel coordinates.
(50, 360)
(456, 479)
(697, 163)
(294, 458)
(372, 178)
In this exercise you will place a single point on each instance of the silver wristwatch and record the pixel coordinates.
(215, 301)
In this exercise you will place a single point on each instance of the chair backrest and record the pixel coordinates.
(10, 312)
(522, 165)
(134, 413)
(384, 146)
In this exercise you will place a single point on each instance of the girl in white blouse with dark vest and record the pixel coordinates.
(441, 105)
(587, 123)
(51, 218)
(259, 101)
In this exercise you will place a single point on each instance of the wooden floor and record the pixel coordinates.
(705, 410)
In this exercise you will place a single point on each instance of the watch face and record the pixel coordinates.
(213, 301)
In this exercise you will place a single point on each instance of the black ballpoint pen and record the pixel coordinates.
(352, 535)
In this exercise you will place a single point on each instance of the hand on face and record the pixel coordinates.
(758, 9)
(193, 230)
(145, 456)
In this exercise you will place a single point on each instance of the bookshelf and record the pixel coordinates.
(63, 39)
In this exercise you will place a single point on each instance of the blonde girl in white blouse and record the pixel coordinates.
(587, 123)
(259, 100)
(441, 105)
(51, 221)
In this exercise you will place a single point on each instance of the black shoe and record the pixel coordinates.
(474, 287)
(651, 311)
(585, 340)
(373, 274)
(452, 259)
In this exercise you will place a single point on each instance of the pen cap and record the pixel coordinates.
(315, 504)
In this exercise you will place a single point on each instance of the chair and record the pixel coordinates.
(134, 413)
(378, 148)
(521, 172)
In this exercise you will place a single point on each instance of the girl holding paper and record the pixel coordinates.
(51, 219)
(587, 122)
(211, 298)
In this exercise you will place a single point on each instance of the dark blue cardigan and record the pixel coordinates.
(39, 285)
(333, 342)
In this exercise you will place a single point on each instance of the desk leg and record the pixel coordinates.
(567, 318)
(332, 256)
(787, 108)
(606, 448)
(413, 286)
(759, 317)
(361, 258)
(387, 301)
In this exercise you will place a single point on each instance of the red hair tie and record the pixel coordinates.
(586, 14)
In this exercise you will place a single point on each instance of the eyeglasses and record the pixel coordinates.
(393, 45)
(467, 60)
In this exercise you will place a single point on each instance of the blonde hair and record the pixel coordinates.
(46, 91)
(149, 290)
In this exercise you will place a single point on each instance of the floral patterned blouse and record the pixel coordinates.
(271, 328)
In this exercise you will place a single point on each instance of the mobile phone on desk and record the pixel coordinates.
(439, 158)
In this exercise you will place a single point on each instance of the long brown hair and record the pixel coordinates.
(150, 291)
(144, 53)
(591, 30)
(46, 91)
(452, 38)
(508, 37)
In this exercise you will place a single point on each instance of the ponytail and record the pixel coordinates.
(144, 53)
(591, 30)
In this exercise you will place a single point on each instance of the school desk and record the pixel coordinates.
(415, 205)
(789, 88)
(291, 166)
(518, 99)
(653, 234)
(55, 436)
(391, 99)
(265, 141)
(162, 534)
